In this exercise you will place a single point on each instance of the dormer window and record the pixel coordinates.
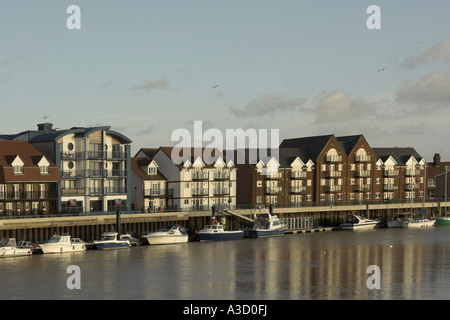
(18, 169)
(44, 169)
(152, 171)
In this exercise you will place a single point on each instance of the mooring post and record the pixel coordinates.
(118, 223)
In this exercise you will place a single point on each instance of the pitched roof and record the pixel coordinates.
(136, 165)
(348, 142)
(30, 157)
(400, 155)
(312, 145)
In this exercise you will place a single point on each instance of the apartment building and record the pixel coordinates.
(28, 180)
(331, 170)
(93, 165)
(200, 180)
(149, 186)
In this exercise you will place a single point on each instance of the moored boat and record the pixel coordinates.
(167, 234)
(215, 231)
(443, 221)
(8, 248)
(111, 240)
(355, 222)
(418, 220)
(399, 221)
(266, 225)
(24, 244)
(63, 243)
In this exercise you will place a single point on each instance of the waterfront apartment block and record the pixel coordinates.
(93, 165)
(332, 170)
(202, 178)
(28, 180)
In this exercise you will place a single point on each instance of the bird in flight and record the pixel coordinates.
(382, 69)
(215, 86)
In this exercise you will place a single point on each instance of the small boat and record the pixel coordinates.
(8, 248)
(130, 236)
(443, 221)
(266, 225)
(24, 244)
(167, 234)
(399, 221)
(63, 243)
(355, 222)
(215, 231)
(111, 240)
(419, 221)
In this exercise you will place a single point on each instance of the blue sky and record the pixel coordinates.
(306, 68)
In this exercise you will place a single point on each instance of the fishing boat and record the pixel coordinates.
(215, 231)
(399, 221)
(167, 234)
(111, 240)
(443, 221)
(8, 248)
(355, 222)
(266, 225)
(63, 243)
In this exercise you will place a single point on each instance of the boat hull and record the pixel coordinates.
(55, 248)
(421, 223)
(227, 235)
(398, 224)
(164, 239)
(14, 252)
(261, 233)
(111, 245)
(356, 226)
(442, 222)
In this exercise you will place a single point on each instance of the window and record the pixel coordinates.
(152, 171)
(322, 182)
(352, 181)
(18, 169)
(378, 181)
(323, 167)
(259, 184)
(259, 199)
(322, 197)
(308, 197)
(377, 195)
(352, 196)
(42, 190)
(44, 169)
(16, 191)
(352, 167)
(2, 191)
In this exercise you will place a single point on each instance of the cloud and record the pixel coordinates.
(268, 104)
(436, 53)
(430, 93)
(337, 106)
(152, 85)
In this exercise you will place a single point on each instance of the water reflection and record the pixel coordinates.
(329, 265)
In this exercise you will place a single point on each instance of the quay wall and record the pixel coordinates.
(92, 226)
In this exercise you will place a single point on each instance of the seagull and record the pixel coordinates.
(215, 86)
(382, 69)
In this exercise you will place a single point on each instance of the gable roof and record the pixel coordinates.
(312, 145)
(348, 143)
(136, 165)
(400, 155)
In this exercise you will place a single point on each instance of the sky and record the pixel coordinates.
(147, 68)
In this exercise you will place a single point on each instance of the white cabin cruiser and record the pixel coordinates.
(355, 222)
(111, 240)
(8, 248)
(167, 234)
(266, 225)
(63, 243)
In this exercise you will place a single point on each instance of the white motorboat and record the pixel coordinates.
(355, 222)
(266, 225)
(63, 243)
(8, 248)
(111, 240)
(215, 231)
(167, 234)
(399, 221)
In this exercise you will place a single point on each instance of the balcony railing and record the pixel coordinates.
(94, 155)
(27, 195)
(363, 187)
(334, 188)
(412, 172)
(92, 173)
(273, 190)
(298, 174)
(158, 192)
(274, 175)
(411, 186)
(298, 189)
(364, 158)
(390, 187)
(200, 175)
(362, 173)
(390, 173)
(225, 175)
(334, 158)
(221, 191)
(334, 174)
(200, 192)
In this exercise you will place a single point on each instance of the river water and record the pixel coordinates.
(413, 264)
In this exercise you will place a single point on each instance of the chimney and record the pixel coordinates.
(437, 160)
(45, 126)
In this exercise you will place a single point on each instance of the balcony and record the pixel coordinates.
(334, 174)
(390, 187)
(298, 175)
(412, 186)
(334, 188)
(363, 173)
(412, 172)
(390, 173)
(72, 192)
(362, 187)
(274, 175)
(298, 189)
(221, 191)
(27, 195)
(200, 192)
(273, 190)
(364, 158)
(200, 175)
(334, 158)
(224, 175)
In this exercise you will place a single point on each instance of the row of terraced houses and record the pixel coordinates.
(90, 169)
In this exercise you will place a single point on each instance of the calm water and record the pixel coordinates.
(415, 264)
